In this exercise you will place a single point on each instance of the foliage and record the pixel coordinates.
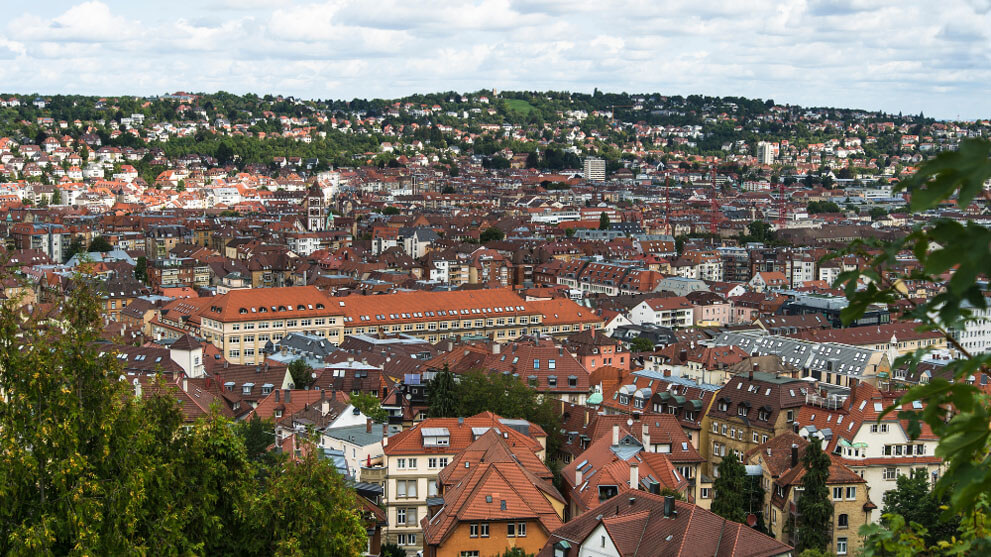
(301, 373)
(508, 397)
(257, 435)
(442, 395)
(729, 501)
(515, 552)
(815, 509)
(491, 234)
(75, 246)
(913, 500)
(816, 553)
(390, 210)
(641, 344)
(370, 406)
(391, 550)
(141, 268)
(603, 221)
(815, 207)
(89, 467)
(101, 244)
(940, 245)
(759, 231)
(306, 510)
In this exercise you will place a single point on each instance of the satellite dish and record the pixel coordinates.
(751, 520)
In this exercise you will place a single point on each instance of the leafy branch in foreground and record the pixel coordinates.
(956, 411)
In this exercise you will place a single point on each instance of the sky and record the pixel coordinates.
(895, 55)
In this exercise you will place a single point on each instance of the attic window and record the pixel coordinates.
(300, 307)
(242, 310)
(321, 306)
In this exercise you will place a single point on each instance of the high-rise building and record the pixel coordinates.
(765, 153)
(595, 169)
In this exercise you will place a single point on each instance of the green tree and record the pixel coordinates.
(370, 406)
(75, 246)
(603, 221)
(141, 268)
(815, 509)
(100, 244)
(306, 510)
(390, 210)
(913, 500)
(641, 344)
(391, 550)
(509, 397)
(87, 466)
(940, 245)
(442, 394)
(257, 435)
(56, 197)
(301, 373)
(491, 234)
(730, 498)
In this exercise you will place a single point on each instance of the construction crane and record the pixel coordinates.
(714, 206)
(782, 205)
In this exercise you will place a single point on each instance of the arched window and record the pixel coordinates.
(842, 521)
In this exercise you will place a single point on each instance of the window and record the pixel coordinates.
(484, 529)
(552, 381)
(406, 539)
(432, 462)
(572, 381)
(405, 488)
(841, 546)
(842, 521)
(401, 463)
(837, 494)
(755, 437)
(412, 463)
(704, 493)
(851, 493)
(536, 364)
(473, 530)
(521, 529)
(443, 462)
(468, 554)
(890, 473)
(791, 416)
(511, 530)
(400, 516)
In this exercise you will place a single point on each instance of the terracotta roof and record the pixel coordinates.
(256, 304)
(637, 526)
(462, 432)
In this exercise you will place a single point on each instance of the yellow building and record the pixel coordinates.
(782, 471)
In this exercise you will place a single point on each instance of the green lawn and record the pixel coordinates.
(519, 105)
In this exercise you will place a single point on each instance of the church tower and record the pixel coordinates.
(316, 210)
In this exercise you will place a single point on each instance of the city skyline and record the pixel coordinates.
(874, 56)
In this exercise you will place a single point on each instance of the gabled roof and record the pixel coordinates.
(638, 528)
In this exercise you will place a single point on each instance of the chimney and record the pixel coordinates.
(288, 396)
(669, 511)
(615, 434)
(794, 455)
(185, 384)
(137, 387)
(276, 395)
(752, 370)
(634, 476)
(646, 437)
(324, 407)
(368, 425)
(683, 355)
(496, 348)
(578, 477)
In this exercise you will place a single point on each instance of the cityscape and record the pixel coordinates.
(526, 321)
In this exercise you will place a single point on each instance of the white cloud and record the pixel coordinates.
(901, 56)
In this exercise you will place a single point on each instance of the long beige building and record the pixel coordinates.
(241, 322)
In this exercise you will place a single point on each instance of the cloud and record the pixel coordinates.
(859, 53)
